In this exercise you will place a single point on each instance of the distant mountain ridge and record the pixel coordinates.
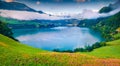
(16, 6)
(110, 7)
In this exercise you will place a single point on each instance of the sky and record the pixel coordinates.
(65, 7)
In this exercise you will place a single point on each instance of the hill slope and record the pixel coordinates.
(12, 45)
(16, 54)
(15, 6)
(112, 50)
(109, 26)
(110, 8)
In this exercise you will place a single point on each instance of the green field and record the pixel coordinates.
(13, 53)
(112, 50)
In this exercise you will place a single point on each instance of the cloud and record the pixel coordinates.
(80, 1)
(58, 0)
(91, 14)
(25, 15)
(38, 2)
(9, 0)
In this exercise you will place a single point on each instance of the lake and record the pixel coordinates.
(62, 38)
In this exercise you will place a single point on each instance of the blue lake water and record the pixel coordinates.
(62, 38)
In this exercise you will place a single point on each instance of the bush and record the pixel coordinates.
(70, 51)
(79, 50)
(56, 50)
(97, 45)
(88, 48)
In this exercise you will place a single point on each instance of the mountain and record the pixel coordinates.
(41, 12)
(22, 11)
(108, 27)
(105, 9)
(16, 6)
(110, 8)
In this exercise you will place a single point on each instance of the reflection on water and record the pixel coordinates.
(58, 37)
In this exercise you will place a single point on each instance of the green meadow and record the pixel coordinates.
(112, 50)
(13, 53)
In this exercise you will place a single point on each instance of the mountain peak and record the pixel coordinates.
(110, 8)
(16, 6)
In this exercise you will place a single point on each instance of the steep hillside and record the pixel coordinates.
(108, 27)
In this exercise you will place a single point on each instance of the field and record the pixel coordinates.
(13, 53)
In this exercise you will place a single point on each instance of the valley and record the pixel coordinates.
(46, 33)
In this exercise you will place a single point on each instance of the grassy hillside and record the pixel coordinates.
(112, 50)
(12, 45)
(13, 53)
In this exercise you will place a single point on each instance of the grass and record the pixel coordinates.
(112, 50)
(13, 53)
(12, 45)
(116, 36)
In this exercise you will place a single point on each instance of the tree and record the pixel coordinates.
(79, 50)
(56, 50)
(5, 30)
(88, 48)
(96, 45)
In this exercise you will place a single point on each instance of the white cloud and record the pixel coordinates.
(38, 2)
(25, 15)
(80, 1)
(90, 14)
